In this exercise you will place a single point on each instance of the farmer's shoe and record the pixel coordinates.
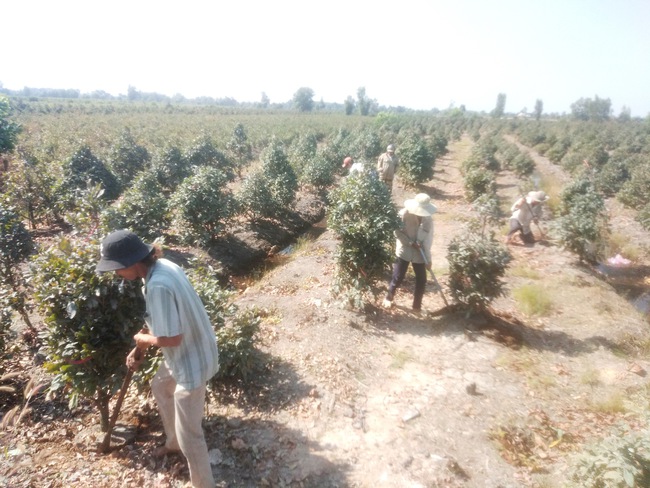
(387, 303)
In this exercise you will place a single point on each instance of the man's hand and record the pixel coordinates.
(134, 359)
(143, 339)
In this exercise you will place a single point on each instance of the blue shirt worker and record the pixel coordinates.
(178, 324)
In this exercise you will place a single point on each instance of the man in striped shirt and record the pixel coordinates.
(178, 324)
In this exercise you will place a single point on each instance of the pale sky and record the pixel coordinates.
(414, 53)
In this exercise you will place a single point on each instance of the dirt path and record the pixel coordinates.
(389, 399)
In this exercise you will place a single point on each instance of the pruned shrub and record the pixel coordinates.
(170, 168)
(270, 191)
(90, 320)
(128, 158)
(83, 168)
(236, 330)
(416, 161)
(582, 224)
(478, 182)
(142, 208)
(477, 264)
(201, 205)
(363, 216)
(15, 246)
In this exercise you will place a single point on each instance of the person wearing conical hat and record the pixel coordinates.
(414, 239)
(524, 211)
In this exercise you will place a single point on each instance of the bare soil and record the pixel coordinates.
(387, 397)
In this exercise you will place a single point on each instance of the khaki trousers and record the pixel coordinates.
(181, 411)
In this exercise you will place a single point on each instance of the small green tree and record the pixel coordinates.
(9, 130)
(203, 152)
(364, 218)
(582, 224)
(201, 205)
(539, 109)
(270, 191)
(240, 148)
(477, 264)
(128, 158)
(15, 246)
(83, 168)
(141, 208)
(303, 99)
(416, 161)
(90, 319)
(170, 168)
(500, 108)
(349, 105)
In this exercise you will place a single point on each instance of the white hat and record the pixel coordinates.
(420, 205)
(390, 148)
(538, 196)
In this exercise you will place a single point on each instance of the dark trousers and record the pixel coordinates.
(399, 271)
(515, 227)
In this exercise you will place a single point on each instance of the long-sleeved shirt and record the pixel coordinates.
(525, 211)
(414, 229)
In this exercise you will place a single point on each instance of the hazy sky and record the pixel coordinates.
(415, 53)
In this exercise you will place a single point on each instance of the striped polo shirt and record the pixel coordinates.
(173, 308)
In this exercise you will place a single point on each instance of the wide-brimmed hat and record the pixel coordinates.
(420, 205)
(121, 249)
(538, 196)
(390, 148)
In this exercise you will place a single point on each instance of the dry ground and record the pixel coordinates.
(388, 398)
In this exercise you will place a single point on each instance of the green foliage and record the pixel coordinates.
(83, 168)
(170, 168)
(367, 145)
(611, 177)
(477, 264)
(15, 246)
(142, 208)
(364, 218)
(643, 216)
(302, 151)
(30, 187)
(8, 130)
(236, 331)
(582, 223)
(237, 353)
(270, 191)
(203, 152)
(239, 147)
(303, 99)
(635, 192)
(621, 460)
(597, 109)
(128, 158)
(479, 182)
(201, 204)
(523, 165)
(319, 172)
(416, 161)
(90, 321)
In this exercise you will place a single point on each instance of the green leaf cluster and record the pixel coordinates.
(416, 161)
(477, 264)
(201, 205)
(90, 319)
(582, 223)
(364, 218)
(621, 460)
